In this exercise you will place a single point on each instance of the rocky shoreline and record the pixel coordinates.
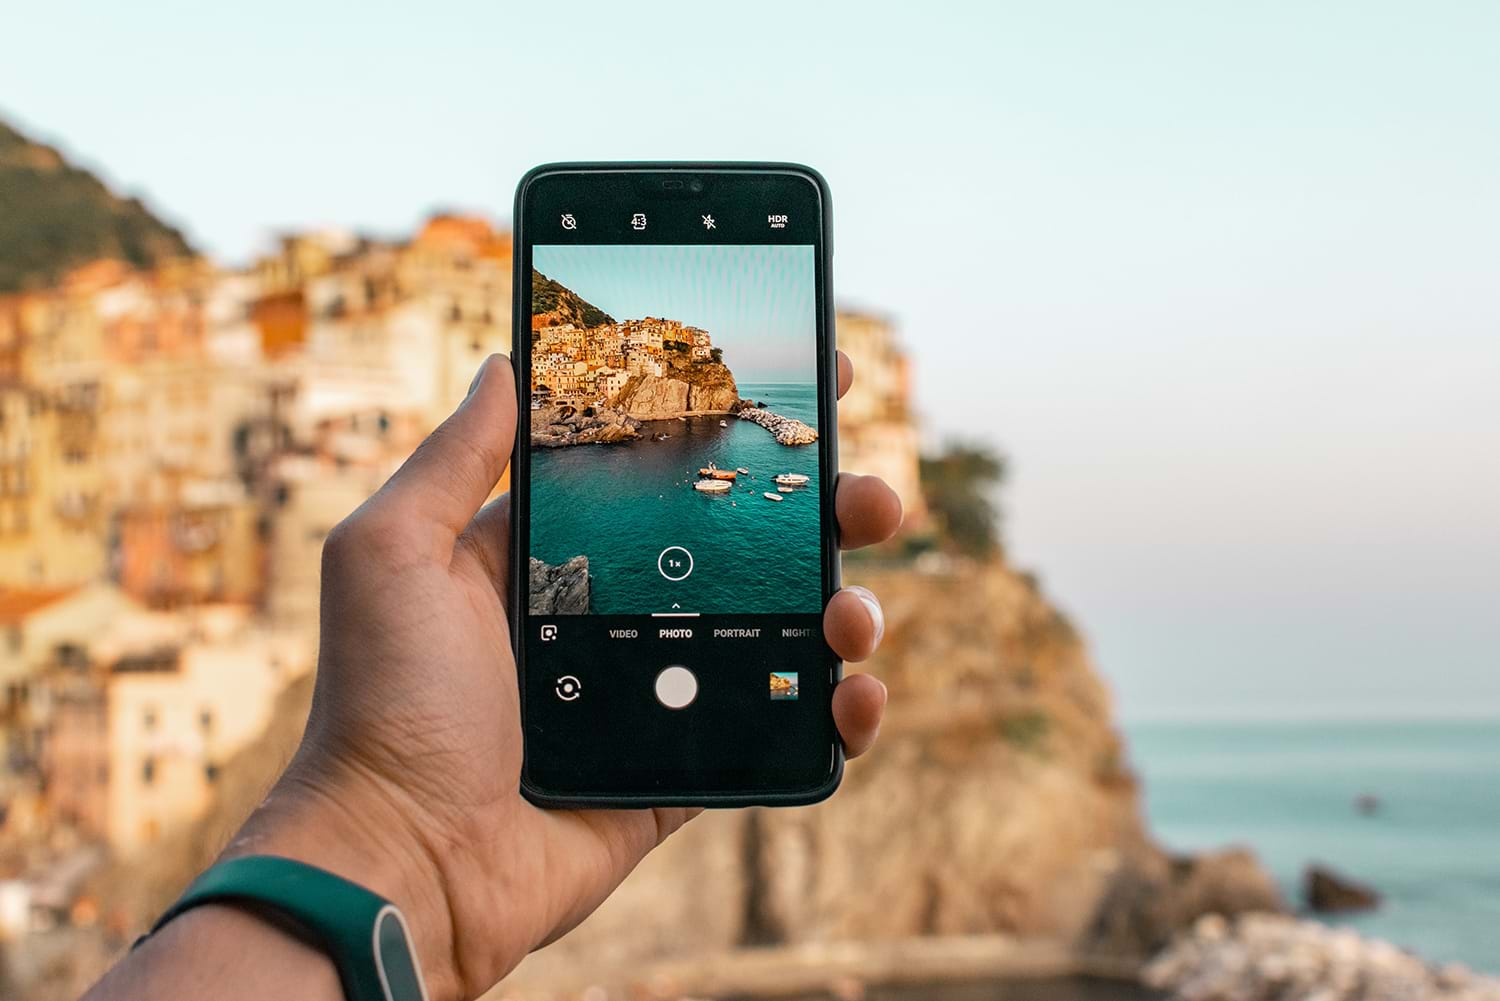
(785, 430)
(1266, 957)
(560, 590)
(551, 428)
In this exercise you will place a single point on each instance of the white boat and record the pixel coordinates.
(743, 471)
(774, 497)
(712, 486)
(792, 479)
(723, 424)
(785, 490)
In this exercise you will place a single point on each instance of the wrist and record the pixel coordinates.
(222, 952)
(344, 823)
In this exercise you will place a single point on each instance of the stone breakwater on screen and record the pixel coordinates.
(784, 429)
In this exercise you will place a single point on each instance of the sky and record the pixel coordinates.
(1219, 279)
(757, 302)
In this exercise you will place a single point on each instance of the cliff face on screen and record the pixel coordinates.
(650, 368)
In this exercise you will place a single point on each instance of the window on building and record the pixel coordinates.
(148, 720)
(206, 720)
(148, 771)
(211, 773)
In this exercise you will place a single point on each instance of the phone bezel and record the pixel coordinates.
(520, 474)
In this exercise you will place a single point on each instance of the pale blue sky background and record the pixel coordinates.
(1223, 279)
(757, 302)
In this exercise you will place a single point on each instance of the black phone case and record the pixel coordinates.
(520, 475)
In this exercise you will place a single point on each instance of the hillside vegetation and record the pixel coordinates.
(562, 304)
(55, 216)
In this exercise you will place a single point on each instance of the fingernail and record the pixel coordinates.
(478, 378)
(872, 605)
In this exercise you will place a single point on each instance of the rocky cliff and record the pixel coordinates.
(998, 800)
(683, 387)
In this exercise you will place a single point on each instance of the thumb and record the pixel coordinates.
(450, 475)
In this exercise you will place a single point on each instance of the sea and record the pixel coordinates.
(623, 505)
(1289, 790)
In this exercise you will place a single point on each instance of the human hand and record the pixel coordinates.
(408, 776)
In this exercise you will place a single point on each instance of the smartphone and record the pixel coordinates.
(672, 484)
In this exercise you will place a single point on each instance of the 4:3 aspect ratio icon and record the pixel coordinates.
(638, 221)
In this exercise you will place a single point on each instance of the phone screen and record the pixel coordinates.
(675, 480)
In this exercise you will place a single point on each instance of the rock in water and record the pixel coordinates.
(1328, 892)
(560, 590)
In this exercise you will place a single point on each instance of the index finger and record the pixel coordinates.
(846, 374)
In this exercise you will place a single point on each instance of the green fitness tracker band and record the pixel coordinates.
(364, 934)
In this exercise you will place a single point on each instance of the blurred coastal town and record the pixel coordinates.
(175, 444)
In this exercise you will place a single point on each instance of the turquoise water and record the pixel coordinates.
(1288, 789)
(622, 504)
